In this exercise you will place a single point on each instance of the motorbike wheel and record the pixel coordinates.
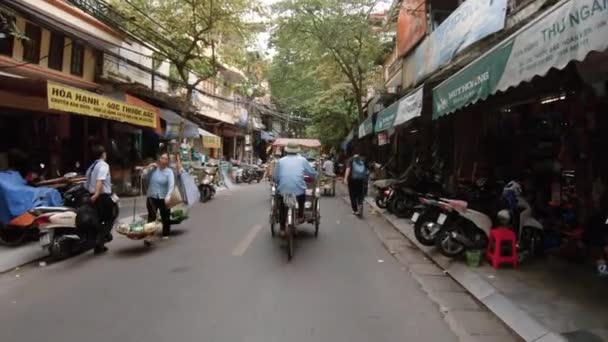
(402, 207)
(447, 245)
(12, 236)
(423, 228)
(205, 193)
(381, 202)
(532, 240)
(273, 218)
(60, 249)
(317, 218)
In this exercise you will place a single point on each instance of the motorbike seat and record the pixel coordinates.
(384, 183)
(43, 210)
(457, 204)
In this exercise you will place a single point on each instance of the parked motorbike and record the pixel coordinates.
(69, 230)
(404, 194)
(518, 216)
(382, 185)
(207, 184)
(434, 209)
(462, 229)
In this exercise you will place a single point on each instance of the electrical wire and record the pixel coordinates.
(284, 116)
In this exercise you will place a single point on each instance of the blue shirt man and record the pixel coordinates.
(290, 171)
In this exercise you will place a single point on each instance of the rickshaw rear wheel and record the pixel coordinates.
(290, 242)
(317, 218)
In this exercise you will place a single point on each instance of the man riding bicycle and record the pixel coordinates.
(289, 175)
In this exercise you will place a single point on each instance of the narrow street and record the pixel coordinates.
(222, 278)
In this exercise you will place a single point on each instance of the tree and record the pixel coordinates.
(189, 34)
(326, 55)
(334, 32)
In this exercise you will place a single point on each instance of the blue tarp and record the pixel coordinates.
(16, 197)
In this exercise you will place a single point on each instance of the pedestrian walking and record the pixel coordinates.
(99, 185)
(161, 182)
(356, 179)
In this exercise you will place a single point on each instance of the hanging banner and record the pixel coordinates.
(382, 138)
(410, 106)
(411, 25)
(74, 100)
(472, 21)
(568, 32)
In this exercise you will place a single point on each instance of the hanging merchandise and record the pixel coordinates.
(382, 138)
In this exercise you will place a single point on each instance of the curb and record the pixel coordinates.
(510, 314)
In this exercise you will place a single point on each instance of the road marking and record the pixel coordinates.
(241, 248)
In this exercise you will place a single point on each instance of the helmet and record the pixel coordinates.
(513, 187)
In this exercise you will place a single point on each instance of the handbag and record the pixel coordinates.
(176, 197)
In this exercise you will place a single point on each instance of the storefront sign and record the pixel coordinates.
(366, 127)
(407, 108)
(568, 32)
(211, 142)
(469, 23)
(73, 100)
(411, 25)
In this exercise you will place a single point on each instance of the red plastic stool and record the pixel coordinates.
(502, 248)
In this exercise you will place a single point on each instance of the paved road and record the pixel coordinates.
(222, 278)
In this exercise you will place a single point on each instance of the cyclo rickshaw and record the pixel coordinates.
(312, 204)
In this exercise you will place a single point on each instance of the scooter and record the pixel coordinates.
(462, 229)
(207, 184)
(434, 209)
(518, 216)
(65, 231)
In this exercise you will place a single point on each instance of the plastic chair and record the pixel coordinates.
(502, 247)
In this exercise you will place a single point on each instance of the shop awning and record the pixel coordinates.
(174, 120)
(566, 32)
(407, 108)
(366, 127)
(210, 140)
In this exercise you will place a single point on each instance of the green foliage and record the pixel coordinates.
(189, 33)
(326, 53)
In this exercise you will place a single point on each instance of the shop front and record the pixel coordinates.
(123, 127)
(530, 109)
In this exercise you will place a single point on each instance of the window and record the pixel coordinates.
(77, 64)
(31, 45)
(6, 38)
(56, 52)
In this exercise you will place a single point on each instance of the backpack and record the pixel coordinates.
(358, 169)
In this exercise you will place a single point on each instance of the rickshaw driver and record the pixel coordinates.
(289, 175)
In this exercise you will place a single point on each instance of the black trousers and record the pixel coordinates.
(356, 190)
(104, 206)
(154, 205)
(283, 209)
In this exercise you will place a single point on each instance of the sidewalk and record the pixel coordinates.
(543, 300)
(12, 257)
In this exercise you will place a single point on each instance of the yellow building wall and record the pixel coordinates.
(89, 53)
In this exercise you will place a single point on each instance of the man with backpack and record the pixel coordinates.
(356, 179)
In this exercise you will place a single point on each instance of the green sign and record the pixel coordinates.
(366, 127)
(386, 118)
(568, 32)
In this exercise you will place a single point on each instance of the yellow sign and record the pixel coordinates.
(73, 100)
(211, 142)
